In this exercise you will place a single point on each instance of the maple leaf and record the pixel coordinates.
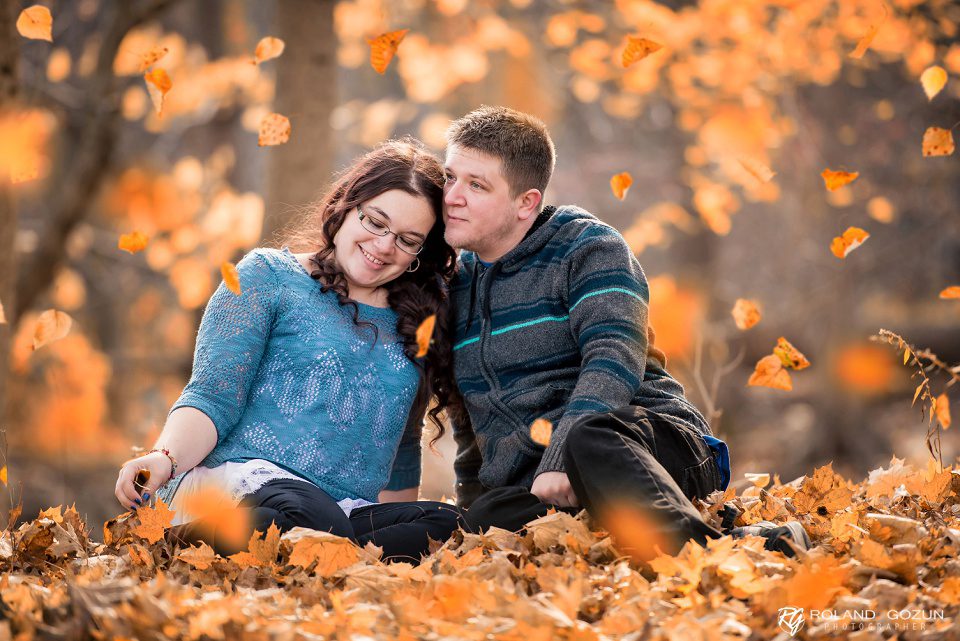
(937, 142)
(150, 57)
(228, 271)
(619, 184)
(815, 585)
(834, 180)
(267, 49)
(540, 431)
(327, 553)
(383, 47)
(824, 491)
(425, 335)
(745, 314)
(261, 551)
(933, 79)
(201, 556)
(950, 292)
(274, 130)
(36, 23)
(637, 49)
(133, 242)
(849, 240)
(769, 372)
(152, 522)
(51, 326)
(158, 84)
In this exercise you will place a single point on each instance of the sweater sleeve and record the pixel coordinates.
(233, 336)
(405, 472)
(608, 319)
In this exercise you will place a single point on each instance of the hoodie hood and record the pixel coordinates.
(565, 220)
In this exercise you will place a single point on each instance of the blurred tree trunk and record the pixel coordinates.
(9, 88)
(306, 94)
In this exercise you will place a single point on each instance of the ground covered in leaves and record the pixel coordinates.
(886, 546)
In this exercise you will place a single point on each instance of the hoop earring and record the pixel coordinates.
(414, 266)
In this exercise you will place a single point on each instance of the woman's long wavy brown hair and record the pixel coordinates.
(408, 166)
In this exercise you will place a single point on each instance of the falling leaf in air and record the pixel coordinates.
(942, 410)
(133, 242)
(51, 326)
(757, 169)
(383, 47)
(150, 57)
(153, 521)
(35, 22)
(637, 49)
(3, 474)
(933, 80)
(937, 142)
(213, 510)
(949, 292)
(620, 183)
(274, 130)
(769, 372)
(789, 355)
(867, 38)
(848, 241)
(229, 273)
(267, 49)
(836, 179)
(158, 84)
(540, 431)
(425, 335)
(745, 314)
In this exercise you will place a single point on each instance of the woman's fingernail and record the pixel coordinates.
(133, 507)
(146, 496)
(137, 501)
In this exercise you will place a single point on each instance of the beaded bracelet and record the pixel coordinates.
(173, 461)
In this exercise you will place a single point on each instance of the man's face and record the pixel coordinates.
(479, 213)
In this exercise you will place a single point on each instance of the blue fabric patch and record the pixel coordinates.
(722, 456)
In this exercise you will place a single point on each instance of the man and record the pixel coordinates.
(550, 317)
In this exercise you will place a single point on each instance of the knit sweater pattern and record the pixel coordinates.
(287, 376)
(556, 329)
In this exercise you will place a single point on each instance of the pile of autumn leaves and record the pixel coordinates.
(890, 542)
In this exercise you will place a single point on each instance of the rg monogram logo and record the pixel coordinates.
(790, 619)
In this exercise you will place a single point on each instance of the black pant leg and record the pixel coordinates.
(289, 504)
(508, 508)
(404, 529)
(631, 461)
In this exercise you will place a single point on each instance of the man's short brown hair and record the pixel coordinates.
(519, 140)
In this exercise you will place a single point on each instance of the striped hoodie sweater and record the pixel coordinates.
(555, 329)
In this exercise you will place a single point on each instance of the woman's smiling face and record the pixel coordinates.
(369, 261)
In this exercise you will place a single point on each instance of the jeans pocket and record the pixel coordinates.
(701, 479)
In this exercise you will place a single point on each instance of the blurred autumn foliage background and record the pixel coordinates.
(738, 88)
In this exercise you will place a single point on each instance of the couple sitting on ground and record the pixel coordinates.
(307, 399)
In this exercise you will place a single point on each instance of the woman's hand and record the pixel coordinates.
(157, 464)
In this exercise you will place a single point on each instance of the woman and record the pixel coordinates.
(306, 400)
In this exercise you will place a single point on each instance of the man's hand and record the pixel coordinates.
(554, 488)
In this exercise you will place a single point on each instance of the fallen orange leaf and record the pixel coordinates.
(158, 84)
(745, 314)
(769, 372)
(620, 183)
(331, 553)
(942, 410)
(425, 334)
(133, 242)
(51, 326)
(540, 431)
(949, 292)
(932, 80)
(201, 557)
(867, 38)
(267, 49)
(274, 130)
(836, 179)
(153, 521)
(637, 49)
(262, 551)
(937, 142)
(383, 47)
(758, 480)
(849, 240)
(229, 273)
(789, 355)
(150, 57)
(35, 22)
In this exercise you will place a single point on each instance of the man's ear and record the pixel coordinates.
(528, 203)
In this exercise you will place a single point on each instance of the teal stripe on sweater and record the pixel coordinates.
(605, 291)
(535, 321)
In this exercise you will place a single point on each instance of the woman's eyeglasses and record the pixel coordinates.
(408, 244)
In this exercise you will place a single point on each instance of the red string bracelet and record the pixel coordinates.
(173, 461)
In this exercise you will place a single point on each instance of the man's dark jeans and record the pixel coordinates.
(626, 460)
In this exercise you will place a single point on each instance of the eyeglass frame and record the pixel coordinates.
(386, 230)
